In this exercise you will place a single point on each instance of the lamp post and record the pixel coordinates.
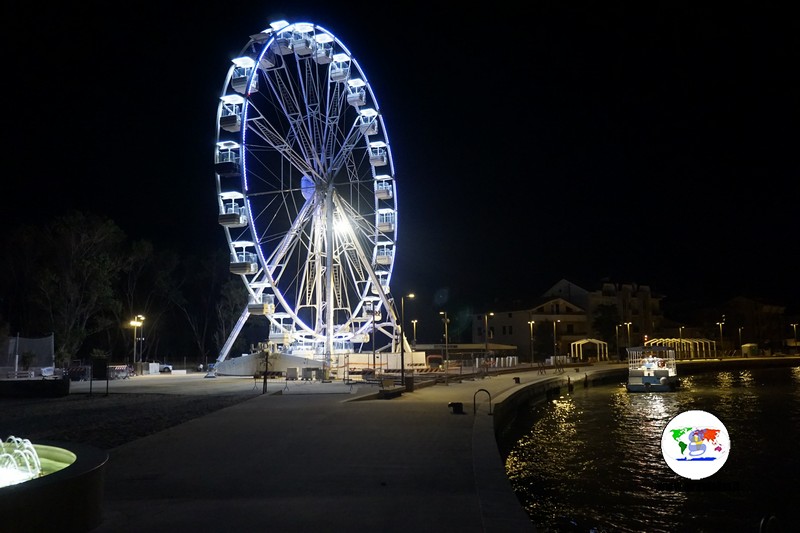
(555, 341)
(740, 337)
(794, 327)
(629, 332)
(140, 318)
(531, 323)
(486, 333)
(374, 368)
(486, 337)
(403, 337)
(446, 352)
(414, 323)
(720, 331)
(680, 332)
(137, 322)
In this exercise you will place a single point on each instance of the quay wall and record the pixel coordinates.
(507, 405)
(741, 363)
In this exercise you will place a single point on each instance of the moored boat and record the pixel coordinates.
(652, 369)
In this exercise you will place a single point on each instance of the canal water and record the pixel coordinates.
(593, 459)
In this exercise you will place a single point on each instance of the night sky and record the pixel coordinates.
(655, 145)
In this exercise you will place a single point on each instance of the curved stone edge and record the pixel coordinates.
(70, 499)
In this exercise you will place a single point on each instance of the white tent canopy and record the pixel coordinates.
(576, 348)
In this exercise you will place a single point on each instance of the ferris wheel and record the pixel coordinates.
(307, 195)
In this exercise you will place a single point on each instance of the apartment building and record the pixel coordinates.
(618, 315)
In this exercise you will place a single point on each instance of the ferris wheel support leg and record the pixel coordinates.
(223, 354)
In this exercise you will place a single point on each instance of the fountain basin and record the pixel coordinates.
(68, 497)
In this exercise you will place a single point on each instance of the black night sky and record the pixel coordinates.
(655, 145)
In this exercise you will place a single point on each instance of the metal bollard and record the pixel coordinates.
(457, 407)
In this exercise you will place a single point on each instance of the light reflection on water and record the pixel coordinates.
(593, 457)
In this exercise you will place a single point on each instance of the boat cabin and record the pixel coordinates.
(652, 369)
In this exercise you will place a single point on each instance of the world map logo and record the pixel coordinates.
(695, 444)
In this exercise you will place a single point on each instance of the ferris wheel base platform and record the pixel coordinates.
(252, 364)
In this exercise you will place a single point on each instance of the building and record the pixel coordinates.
(616, 315)
(628, 314)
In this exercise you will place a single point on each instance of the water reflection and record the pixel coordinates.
(593, 458)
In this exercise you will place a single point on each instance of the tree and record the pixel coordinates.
(199, 286)
(604, 323)
(26, 358)
(149, 287)
(232, 299)
(75, 277)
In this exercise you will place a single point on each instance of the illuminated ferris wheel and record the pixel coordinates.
(307, 195)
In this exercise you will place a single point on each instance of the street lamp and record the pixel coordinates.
(446, 352)
(403, 337)
(137, 322)
(486, 333)
(374, 313)
(794, 327)
(531, 323)
(629, 332)
(720, 331)
(740, 337)
(555, 341)
(680, 332)
(140, 318)
(414, 323)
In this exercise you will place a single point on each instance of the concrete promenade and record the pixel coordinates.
(312, 456)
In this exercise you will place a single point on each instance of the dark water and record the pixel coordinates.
(593, 458)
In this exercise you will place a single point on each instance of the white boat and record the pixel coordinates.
(652, 369)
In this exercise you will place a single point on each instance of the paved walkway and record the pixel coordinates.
(311, 456)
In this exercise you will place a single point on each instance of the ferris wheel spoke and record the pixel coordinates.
(330, 127)
(360, 254)
(275, 140)
(314, 117)
(289, 96)
(346, 151)
(292, 236)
